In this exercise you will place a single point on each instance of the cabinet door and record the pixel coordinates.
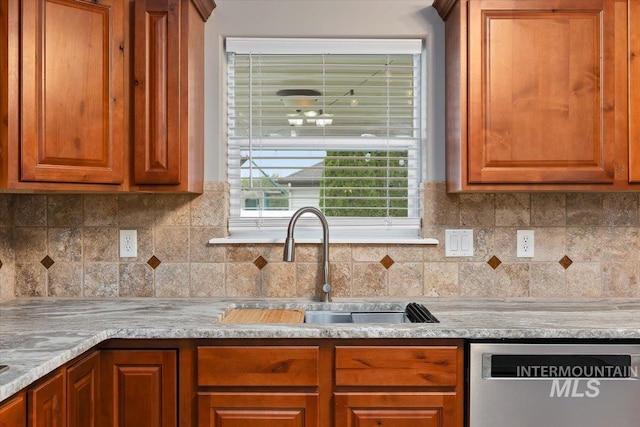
(257, 409)
(396, 410)
(72, 91)
(139, 388)
(634, 90)
(83, 387)
(541, 91)
(157, 92)
(47, 403)
(13, 413)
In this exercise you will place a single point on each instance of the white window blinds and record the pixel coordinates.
(334, 124)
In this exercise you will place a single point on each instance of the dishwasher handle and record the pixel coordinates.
(556, 366)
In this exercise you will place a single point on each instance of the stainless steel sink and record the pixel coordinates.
(329, 316)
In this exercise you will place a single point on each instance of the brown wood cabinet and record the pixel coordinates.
(139, 388)
(102, 96)
(634, 91)
(13, 412)
(536, 94)
(47, 402)
(83, 392)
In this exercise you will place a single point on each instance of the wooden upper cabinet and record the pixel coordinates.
(168, 95)
(533, 90)
(634, 91)
(72, 98)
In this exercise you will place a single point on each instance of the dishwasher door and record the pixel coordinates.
(554, 385)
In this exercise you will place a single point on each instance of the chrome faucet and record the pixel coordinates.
(289, 245)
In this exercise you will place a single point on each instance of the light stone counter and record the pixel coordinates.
(39, 335)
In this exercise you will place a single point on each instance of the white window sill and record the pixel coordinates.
(277, 236)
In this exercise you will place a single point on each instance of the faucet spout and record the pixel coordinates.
(289, 245)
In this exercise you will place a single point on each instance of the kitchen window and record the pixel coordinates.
(335, 124)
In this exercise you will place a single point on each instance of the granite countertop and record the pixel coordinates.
(39, 335)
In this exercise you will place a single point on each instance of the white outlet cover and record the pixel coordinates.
(458, 243)
(128, 243)
(525, 244)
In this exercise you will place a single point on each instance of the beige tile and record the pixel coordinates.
(585, 243)
(136, 210)
(441, 279)
(136, 280)
(550, 243)
(100, 244)
(311, 253)
(242, 253)
(199, 248)
(100, 280)
(435, 252)
(31, 280)
(8, 280)
(6, 210)
(30, 244)
(220, 186)
(274, 253)
(7, 251)
(584, 209)
(172, 244)
(30, 210)
(476, 279)
(173, 210)
(100, 210)
(279, 280)
(513, 209)
(369, 280)
(341, 279)
(584, 280)
(620, 209)
(242, 279)
(64, 210)
(620, 280)
(368, 253)
(477, 210)
(440, 208)
(405, 279)
(210, 209)
(145, 245)
(207, 280)
(338, 253)
(483, 249)
(172, 280)
(64, 280)
(65, 244)
(547, 279)
(511, 280)
(406, 253)
(620, 244)
(504, 244)
(548, 209)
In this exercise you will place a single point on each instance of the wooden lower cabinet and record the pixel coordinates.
(47, 402)
(83, 392)
(268, 409)
(139, 388)
(411, 409)
(13, 413)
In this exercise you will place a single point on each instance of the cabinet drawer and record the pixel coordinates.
(258, 366)
(396, 366)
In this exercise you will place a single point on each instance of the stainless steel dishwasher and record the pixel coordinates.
(554, 385)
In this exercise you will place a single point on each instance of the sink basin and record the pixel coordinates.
(328, 316)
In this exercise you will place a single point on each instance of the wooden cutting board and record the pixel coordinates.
(263, 315)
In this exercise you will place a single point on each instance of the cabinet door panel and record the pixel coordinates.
(257, 409)
(83, 386)
(47, 403)
(541, 91)
(72, 98)
(157, 92)
(634, 91)
(139, 388)
(14, 412)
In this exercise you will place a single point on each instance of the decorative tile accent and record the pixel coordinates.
(387, 262)
(494, 262)
(0, 264)
(154, 262)
(260, 262)
(565, 262)
(47, 262)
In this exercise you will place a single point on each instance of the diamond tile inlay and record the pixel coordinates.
(260, 262)
(494, 262)
(565, 262)
(47, 262)
(387, 262)
(154, 262)
(0, 264)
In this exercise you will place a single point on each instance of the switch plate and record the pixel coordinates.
(128, 243)
(458, 243)
(526, 244)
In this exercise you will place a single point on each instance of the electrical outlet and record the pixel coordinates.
(526, 244)
(128, 243)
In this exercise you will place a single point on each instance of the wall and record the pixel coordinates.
(594, 235)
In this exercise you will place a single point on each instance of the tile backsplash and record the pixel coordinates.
(586, 245)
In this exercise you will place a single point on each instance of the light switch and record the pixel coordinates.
(458, 243)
